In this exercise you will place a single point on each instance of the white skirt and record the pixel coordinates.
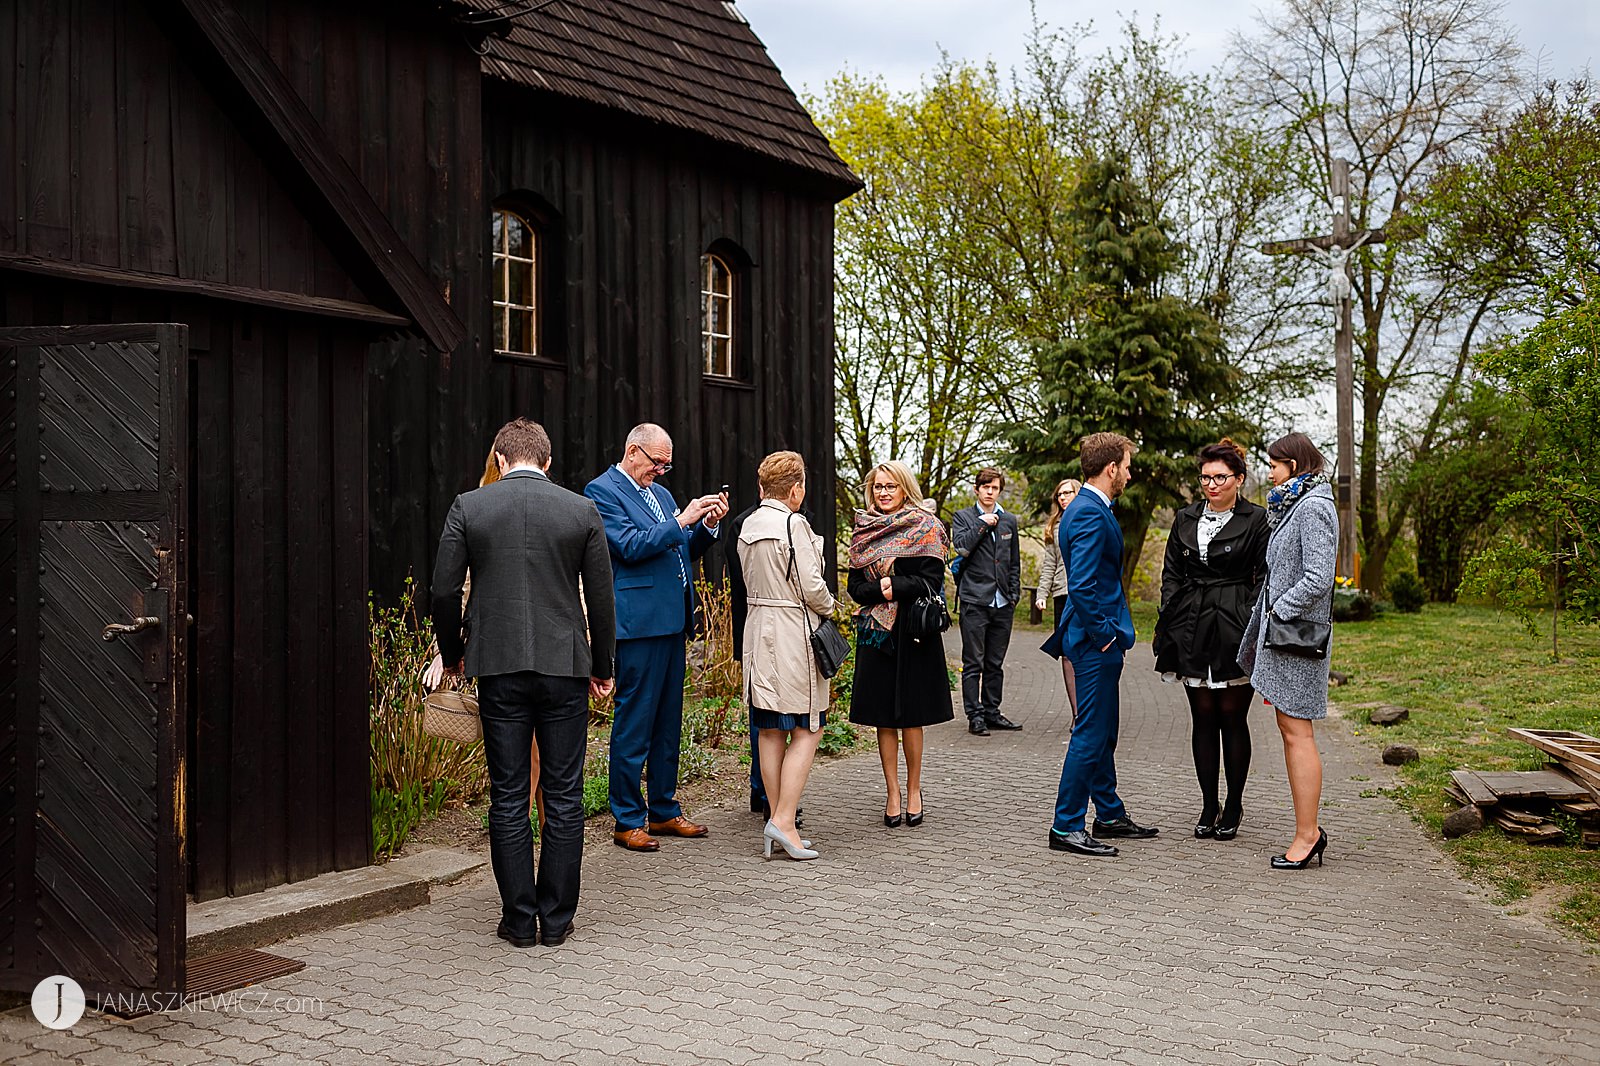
(1203, 682)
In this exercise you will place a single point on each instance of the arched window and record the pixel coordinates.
(517, 265)
(719, 352)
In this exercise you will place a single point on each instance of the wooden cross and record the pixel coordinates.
(1335, 250)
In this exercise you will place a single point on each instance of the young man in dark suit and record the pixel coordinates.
(1095, 632)
(989, 587)
(653, 548)
(528, 543)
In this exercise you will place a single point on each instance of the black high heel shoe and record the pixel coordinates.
(1228, 827)
(894, 822)
(1206, 824)
(914, 820)
(1283, 862)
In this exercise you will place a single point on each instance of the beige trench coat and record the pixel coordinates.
(780, 672)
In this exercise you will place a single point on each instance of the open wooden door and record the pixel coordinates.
(93, 452)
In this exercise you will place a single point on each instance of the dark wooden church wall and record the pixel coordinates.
(118, 155)
(278, 758)
(635, 213)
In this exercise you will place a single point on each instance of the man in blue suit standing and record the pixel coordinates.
(1094, 631)
(653, 547)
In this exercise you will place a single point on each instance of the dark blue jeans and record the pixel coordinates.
(1090, 769)
(514, 709)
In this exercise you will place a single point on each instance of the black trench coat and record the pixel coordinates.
(904, 685)
(1205, 606)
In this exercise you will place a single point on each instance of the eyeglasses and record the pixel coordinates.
(881, 489)
(1216, 479)
(662, 466)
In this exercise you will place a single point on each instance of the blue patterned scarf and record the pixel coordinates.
(1282, 497)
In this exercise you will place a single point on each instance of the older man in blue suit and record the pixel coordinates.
(653, 546)
(1095, 631)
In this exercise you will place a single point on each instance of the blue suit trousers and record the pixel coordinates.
(1090, 770)
(647, 731)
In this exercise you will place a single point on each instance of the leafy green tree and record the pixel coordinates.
(1138, 361)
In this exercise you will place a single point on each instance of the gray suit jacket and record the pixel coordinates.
(527, 542)
(993, 558)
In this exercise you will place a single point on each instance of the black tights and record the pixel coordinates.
(1221, 733)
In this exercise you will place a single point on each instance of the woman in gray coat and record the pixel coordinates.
(1301, 552)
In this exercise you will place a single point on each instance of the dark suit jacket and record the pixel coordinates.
(527, 542)
(651, 601)
(1097, 610)
(993, 557)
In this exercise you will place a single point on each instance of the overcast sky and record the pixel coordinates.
(811, 40)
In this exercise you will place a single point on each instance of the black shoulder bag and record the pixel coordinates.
(1304, 637)
(927, 614)
(828, 645)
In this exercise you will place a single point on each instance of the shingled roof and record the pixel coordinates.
(689, 64)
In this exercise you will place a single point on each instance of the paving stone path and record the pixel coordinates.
(962, 941)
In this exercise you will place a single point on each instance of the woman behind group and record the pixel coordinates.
(781, 559)
(1052, 573)
(897, 553)
(1299, 588)
(1215, 562)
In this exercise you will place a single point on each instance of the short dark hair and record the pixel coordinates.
(1099, 450)
(523, 441)
(988, 474)
(1297, 448)
(1225, 452)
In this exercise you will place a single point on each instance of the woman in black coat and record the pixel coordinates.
(1216, 560)
(897, 553)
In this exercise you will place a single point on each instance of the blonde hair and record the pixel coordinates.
(779, 473)
(491, 471)
(1056, 509)
(901, 475)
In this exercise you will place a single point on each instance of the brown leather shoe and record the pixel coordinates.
(678, 827)
(635, 840)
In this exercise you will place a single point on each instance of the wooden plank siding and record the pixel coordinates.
(278, 759)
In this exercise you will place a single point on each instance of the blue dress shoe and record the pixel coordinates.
(1123, 827)
(1081, 843)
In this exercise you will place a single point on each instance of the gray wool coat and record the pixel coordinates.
(1301, 554)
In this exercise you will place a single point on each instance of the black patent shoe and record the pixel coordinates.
(1000, 721)
(1123, 827)
(977, 727)
(1206, 824)
(1228, 827)
(1080, 843)
(1283, 862)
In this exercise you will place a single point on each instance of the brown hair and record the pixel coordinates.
(779, 473)
(988, 474)
(901, 475)
(522, 441)
(1225, 452)
(1099, 450)
(1297, 449)
(491, 471)
(1056, 510)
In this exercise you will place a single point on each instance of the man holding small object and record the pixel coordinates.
(653, 546)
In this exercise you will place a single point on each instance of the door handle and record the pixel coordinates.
(117, 629)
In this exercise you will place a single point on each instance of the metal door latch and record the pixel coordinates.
(117, 629)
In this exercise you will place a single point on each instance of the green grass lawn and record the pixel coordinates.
(1467, 674)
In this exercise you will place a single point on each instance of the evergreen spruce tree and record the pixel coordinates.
(1138, 362)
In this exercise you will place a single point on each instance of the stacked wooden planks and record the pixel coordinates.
(1521, 802)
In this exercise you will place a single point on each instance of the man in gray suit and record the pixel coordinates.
(989, 587)
(527, 543)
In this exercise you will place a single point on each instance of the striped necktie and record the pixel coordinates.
(655, 509)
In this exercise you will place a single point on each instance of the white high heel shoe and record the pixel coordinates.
(774, 835)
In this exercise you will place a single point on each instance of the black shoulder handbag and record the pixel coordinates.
(1304, 637)
(828, 645)
(927, 614)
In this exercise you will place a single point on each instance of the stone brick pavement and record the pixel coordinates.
(963, 941)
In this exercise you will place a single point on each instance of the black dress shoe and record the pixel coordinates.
(758, 804)
(1123, 827)
(556, 937)
(1080, 842)
(515, 941)
(977, 727)
(1000, 721)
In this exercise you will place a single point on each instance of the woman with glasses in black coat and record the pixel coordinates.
(1215, 562)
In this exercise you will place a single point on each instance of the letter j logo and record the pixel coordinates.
(58, 1002)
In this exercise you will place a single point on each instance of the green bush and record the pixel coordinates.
(596, 794)
(838, 735)
(1353, 605)
(396, 814)
(1407, 592)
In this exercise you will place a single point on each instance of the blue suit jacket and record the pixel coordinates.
(649, 587)
(1097, 611)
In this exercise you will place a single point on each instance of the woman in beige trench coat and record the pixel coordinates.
(786, 694)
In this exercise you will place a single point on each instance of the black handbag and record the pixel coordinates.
(828, 645)
(926, 615)
(1304, 637)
